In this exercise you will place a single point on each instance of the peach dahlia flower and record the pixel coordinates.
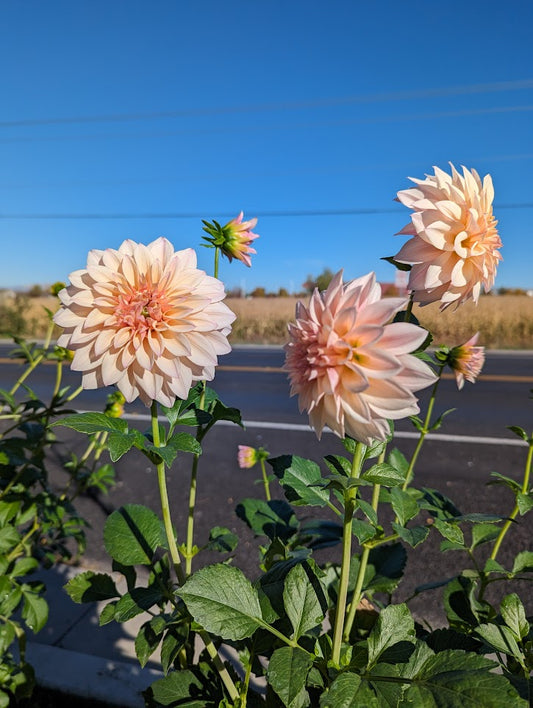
(350, 369)
(145, 319)
(238, 239)
(454, 249)
(467, 361)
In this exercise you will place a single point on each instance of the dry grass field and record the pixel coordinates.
(504, 322)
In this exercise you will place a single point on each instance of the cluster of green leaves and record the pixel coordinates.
(39, 524)
(279, 624)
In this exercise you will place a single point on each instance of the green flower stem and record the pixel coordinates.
(190, 519)
(59, 374)
(217, 259)
(192, 494)
(357, 593)
(74, 394)
(174, 554)
(219, 665)
(425, 429)
(35, 361)
(246, 682)
(286, 640)
(350, 496)
(514, 513)
(265, 480)
(19, 548)
(162, 481)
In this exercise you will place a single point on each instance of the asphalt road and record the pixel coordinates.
(250, 379)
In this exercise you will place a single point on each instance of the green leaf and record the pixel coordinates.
(132, 534)
(24, 566)
(403, 504)
(524, 503)
(93, 423)
(517, 430)
(119, 444)
(349, 691)
(136, 601)
(385, 567)
(223, 601)
(393, 625)
(398, 460)
(438, 422)
(107, 615)
(507, 481)
(299, 478)
(376, 449)
(338, 465)
(413, 536)
(7, 636)
(492, 566)
(384, 473)
(363, 530)
(273, 519)
(287, 673)
(458, 679)
(369, 511)
(9, 538)
(483, 533)
(171, 646)
(500, 638)
(222, 540)
(148, 638)
(438, 504)
(34, 610)
(304, 600)
(180, 688)
(398, 266)
(91, 587)
(452, 532)
(514, 615)
(523, 562)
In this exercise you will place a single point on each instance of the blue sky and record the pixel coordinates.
(132, 108)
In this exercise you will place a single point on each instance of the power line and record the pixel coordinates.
(262, 214)
(404, 95)
(400, 118)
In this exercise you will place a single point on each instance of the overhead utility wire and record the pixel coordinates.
(494, 110)
(404, 95)
(263, 214)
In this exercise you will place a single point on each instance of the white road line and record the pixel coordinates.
(438, 437)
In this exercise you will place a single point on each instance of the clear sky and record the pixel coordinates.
(287, 107)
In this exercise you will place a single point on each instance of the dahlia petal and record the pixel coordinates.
(402, 337)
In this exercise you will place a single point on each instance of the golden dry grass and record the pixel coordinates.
(504, 322)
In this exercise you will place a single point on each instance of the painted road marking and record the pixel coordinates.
(298, 427)
(502, 378)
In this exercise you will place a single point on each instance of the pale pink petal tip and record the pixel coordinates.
(145, 319)
(350, 367)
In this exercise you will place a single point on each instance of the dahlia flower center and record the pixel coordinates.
(142, 309)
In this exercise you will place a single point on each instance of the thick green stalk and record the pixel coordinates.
(35, 362)
(350, 496)
(424, 431)
(165, 507)
(514, 513)
(357, 594)
(192, 494)
(217, 259)
(190, 519)
(265, 480)
(174, 554)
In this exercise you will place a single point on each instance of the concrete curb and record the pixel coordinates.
(85, 676)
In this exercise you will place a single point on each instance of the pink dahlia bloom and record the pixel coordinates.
(238, 238)
(247, 456)
(454, 249)
(467, 361)
(145, 319)
(351, 369)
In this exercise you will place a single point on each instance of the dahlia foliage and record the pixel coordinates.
(145, 319)
(350, 368)
(454, 251)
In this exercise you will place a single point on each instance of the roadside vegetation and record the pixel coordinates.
(503, 321)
